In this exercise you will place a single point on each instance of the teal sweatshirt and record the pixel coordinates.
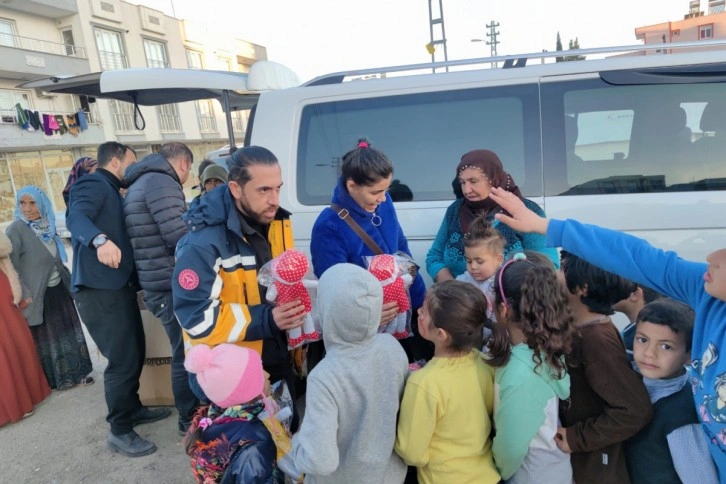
(526, 403)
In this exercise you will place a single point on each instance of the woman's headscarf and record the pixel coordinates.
(81, 167)
(44, 227)
(491, 166)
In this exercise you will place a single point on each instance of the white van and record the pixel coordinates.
(635, 143)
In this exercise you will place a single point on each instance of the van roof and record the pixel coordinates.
(629, 56)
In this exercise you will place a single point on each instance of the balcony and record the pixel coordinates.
(13, 136)
(208, 124)
(158, 64)
(44, 8)
(170, 123)
(25, 58)
(112, 60)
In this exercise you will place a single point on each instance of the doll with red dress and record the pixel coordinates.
(288, 277)
(393, 272)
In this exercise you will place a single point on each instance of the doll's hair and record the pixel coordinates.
(365, 165)
(537, 306)
(460, 309)
(482, 233)
(603, 288)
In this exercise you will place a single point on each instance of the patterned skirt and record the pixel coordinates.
(60, 341)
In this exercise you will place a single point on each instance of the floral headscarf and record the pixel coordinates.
(81, 167)
(44, 227)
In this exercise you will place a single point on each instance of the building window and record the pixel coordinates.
(194, 59)
(207, 119)
(110, 49)
(8, 99)
(705, 32)
(155, 54)
(239, 121)
(225, 63)
(169, 118)
(7, 33)
(122, 114)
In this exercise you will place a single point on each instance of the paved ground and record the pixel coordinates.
(65, 442)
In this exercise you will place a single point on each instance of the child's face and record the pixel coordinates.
(715, 277)
(659, 352)
(482, 262)
(425, 326)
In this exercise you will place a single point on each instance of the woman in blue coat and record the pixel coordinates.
(362, 194)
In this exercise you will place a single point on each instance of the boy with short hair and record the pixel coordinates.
(608, 403)
(672, 447)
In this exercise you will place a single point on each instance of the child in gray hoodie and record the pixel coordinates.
(353, 394)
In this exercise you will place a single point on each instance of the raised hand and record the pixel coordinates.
(521, 218)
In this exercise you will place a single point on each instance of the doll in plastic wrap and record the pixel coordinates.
(393, 273)
(288, 278)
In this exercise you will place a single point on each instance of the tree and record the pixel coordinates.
(558, 47)
(574, 45)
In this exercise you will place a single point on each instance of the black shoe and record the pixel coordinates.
(146, 415)
(130, 444)
(183, 426)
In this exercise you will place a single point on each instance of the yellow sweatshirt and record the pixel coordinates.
(445, 421)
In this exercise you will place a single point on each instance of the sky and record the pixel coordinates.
(316, 37)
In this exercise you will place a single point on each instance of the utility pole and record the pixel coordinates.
(492, 34)
(436, 26)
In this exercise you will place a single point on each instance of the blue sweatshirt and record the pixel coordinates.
(333, 241)
(635, 259)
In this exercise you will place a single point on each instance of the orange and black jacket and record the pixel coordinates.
(216, 296)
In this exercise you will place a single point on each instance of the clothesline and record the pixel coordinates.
(52, 124)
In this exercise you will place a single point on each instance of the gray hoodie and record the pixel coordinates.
(353, 394)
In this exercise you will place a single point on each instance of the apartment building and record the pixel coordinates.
(40, 38)
(696, 25)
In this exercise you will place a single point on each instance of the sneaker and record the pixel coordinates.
(130, 444)
(146, 415)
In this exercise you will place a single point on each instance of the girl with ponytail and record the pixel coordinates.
(528, 347)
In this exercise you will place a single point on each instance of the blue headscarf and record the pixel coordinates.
(44, 227)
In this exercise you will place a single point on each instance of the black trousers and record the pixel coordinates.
(160, 305)
(114, 322)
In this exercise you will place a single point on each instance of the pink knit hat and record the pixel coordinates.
(229, 374)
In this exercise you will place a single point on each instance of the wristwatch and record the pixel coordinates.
(99, 240)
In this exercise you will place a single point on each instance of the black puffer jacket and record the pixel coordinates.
(153, 208)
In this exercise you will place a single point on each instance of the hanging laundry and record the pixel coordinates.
(34, 119)
(82, 123)
(60, 119)
(53, 123)
(22, 118)
(72, 124)
(47, 124)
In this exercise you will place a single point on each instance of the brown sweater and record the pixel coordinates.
(608, 404)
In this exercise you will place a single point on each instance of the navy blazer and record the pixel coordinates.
(96, 207)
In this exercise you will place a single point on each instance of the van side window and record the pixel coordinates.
(601, 139)
(424, 135)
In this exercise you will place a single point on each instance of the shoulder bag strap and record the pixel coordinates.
(344, 214)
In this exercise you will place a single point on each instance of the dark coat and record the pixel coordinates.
(96, 207)
(153, 208)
